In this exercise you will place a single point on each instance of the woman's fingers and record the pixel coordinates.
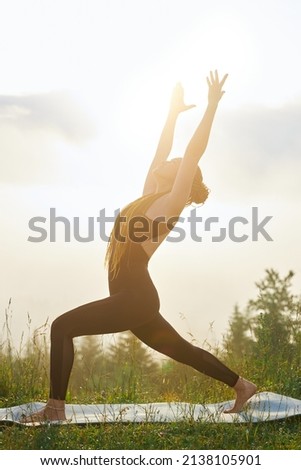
(214, 78)
(215, 85)
(224, 79)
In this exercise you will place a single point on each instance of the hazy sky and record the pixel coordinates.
(84, 90)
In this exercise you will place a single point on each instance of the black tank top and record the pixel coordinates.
(133, 268)
(142, 228)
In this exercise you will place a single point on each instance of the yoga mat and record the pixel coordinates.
(264, 406)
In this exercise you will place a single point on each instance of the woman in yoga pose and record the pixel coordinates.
(139, 229)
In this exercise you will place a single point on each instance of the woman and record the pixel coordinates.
(133, 303)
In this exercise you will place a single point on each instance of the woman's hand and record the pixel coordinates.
(215, 86)
(177, 104)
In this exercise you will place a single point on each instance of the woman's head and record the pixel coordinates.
(166, 174)
(199, 191)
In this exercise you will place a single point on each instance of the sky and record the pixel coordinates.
(84, 92)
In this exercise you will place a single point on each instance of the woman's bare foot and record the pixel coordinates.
(244, 390)
(54, 410)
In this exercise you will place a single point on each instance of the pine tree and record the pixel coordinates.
(266, 337)
(89, 373)
(273, 325)
(238, 341)
(132, 366)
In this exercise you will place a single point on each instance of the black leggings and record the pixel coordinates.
(108, 316)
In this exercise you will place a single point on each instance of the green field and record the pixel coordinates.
(263, 343)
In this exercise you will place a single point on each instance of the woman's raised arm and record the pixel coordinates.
(177, 106)
(197, 145)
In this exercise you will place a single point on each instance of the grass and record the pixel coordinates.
(116, 379)
(276, 435)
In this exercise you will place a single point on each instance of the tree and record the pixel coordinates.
(89, 371)
(265, 341)
(238, 341)
(132, 365)
(274, 325)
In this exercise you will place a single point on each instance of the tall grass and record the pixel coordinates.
(23, 369)
(127, 372)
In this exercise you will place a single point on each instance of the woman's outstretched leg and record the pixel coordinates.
(110, 315)
(161, 336)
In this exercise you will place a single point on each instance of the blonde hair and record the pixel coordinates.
(199, 191)
(120, 238)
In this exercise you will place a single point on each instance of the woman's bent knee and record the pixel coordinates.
(59, 328)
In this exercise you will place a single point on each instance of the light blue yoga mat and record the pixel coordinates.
(264, 406)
